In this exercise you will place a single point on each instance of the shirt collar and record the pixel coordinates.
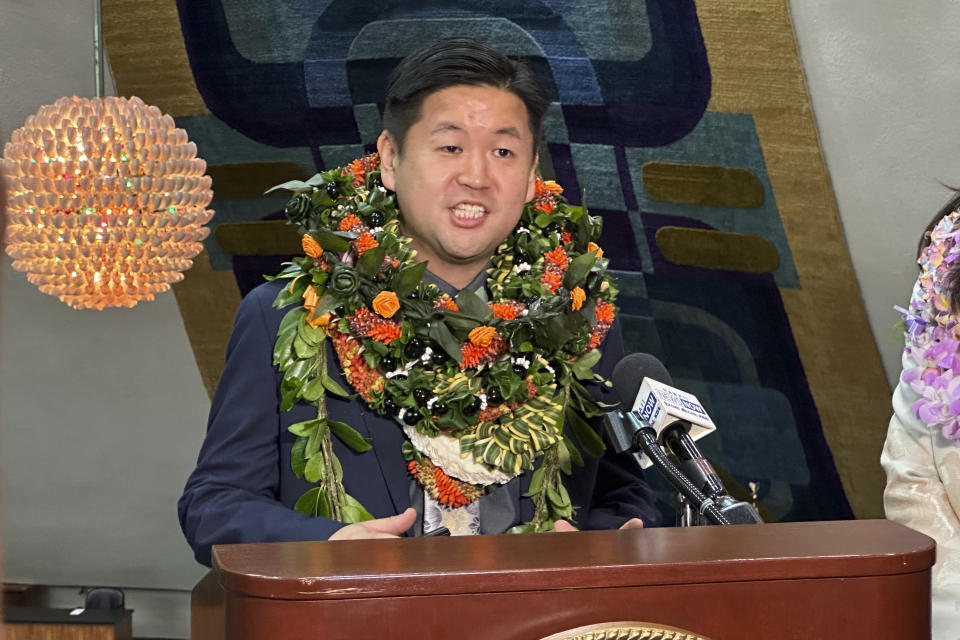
(476, 284)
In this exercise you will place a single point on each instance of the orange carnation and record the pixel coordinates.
(350, 222)
(386, 304)
(364, 243)
(547, 186)
(482, 336)
(546, 206)
(447, 302)
(471, 355)
(385, 333)
(310, 246)
(577, 296)
(557, 256)
(360, 167)
(604, 312)
(593, 246)
(552, 281)
(504, 311)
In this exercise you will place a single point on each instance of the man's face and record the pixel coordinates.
(466, 170)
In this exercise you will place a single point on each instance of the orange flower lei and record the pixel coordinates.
(549, 264)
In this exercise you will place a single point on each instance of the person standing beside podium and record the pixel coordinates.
(921, 454)
(459, 149)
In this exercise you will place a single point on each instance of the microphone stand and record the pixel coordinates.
(699, 470)
(638, 437)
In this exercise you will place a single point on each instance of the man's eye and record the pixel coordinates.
(503, 153)
(451, 148)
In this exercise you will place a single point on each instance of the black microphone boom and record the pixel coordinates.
(696, 479)
(645, 439)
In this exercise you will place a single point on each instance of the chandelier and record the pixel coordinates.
(106, 201)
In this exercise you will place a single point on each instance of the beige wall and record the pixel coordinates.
(884, 84)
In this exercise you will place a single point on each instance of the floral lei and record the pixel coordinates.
(933, 333)
(482, 384)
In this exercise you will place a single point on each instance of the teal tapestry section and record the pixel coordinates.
(218, 144)
(596, 167)
(728, 140)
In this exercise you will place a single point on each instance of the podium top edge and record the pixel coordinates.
(534, 562)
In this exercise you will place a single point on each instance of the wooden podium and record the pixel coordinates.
(809, 580)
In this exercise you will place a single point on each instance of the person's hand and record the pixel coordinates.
(563, 526)
(392, 527)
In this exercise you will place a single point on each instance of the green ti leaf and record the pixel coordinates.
(585, 434)
(536, 482)
(582, 367)
(439, 332)
(312, 391)
(338, 241)
(369, 263)
(285, 337)
(315, 438)
(313, 470)
(350, 436)
(292, 292)
(407, 279)
(314, 503)
(290, 185)
(578, 270)
(304, 428)
(473, 306)
(297, 460)
(332, 386)
(352, 510)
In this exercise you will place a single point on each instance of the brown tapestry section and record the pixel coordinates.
(251, 179)
(702, 184)
(266, 237)
(746, 252)
(756, 69)
(208, 301)
(148, 57)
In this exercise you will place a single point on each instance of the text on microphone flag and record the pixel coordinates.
(655, 400)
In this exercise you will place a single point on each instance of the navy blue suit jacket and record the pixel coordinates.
(243, 488)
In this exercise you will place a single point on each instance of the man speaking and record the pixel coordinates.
(432, 362)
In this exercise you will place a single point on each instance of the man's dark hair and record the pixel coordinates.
(457, 61)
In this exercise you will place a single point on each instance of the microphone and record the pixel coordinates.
(676, 419)
(628, 432)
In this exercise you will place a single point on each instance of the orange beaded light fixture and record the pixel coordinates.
(107, 201)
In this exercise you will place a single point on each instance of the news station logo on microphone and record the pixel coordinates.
(659, 405)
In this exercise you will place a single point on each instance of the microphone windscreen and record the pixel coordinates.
(629, 373)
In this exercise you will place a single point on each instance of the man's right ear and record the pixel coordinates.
(388, 157)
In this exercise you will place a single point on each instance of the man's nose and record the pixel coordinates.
(475, 172)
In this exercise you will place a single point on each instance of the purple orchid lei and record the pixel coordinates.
(933, 335)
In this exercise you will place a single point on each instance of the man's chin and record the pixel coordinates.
(466, 257)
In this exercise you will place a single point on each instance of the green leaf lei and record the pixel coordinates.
(482, 384)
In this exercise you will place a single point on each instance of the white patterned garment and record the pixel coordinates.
(923, 492)
(461, 521)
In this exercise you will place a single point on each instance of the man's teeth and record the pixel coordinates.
(469, 210)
